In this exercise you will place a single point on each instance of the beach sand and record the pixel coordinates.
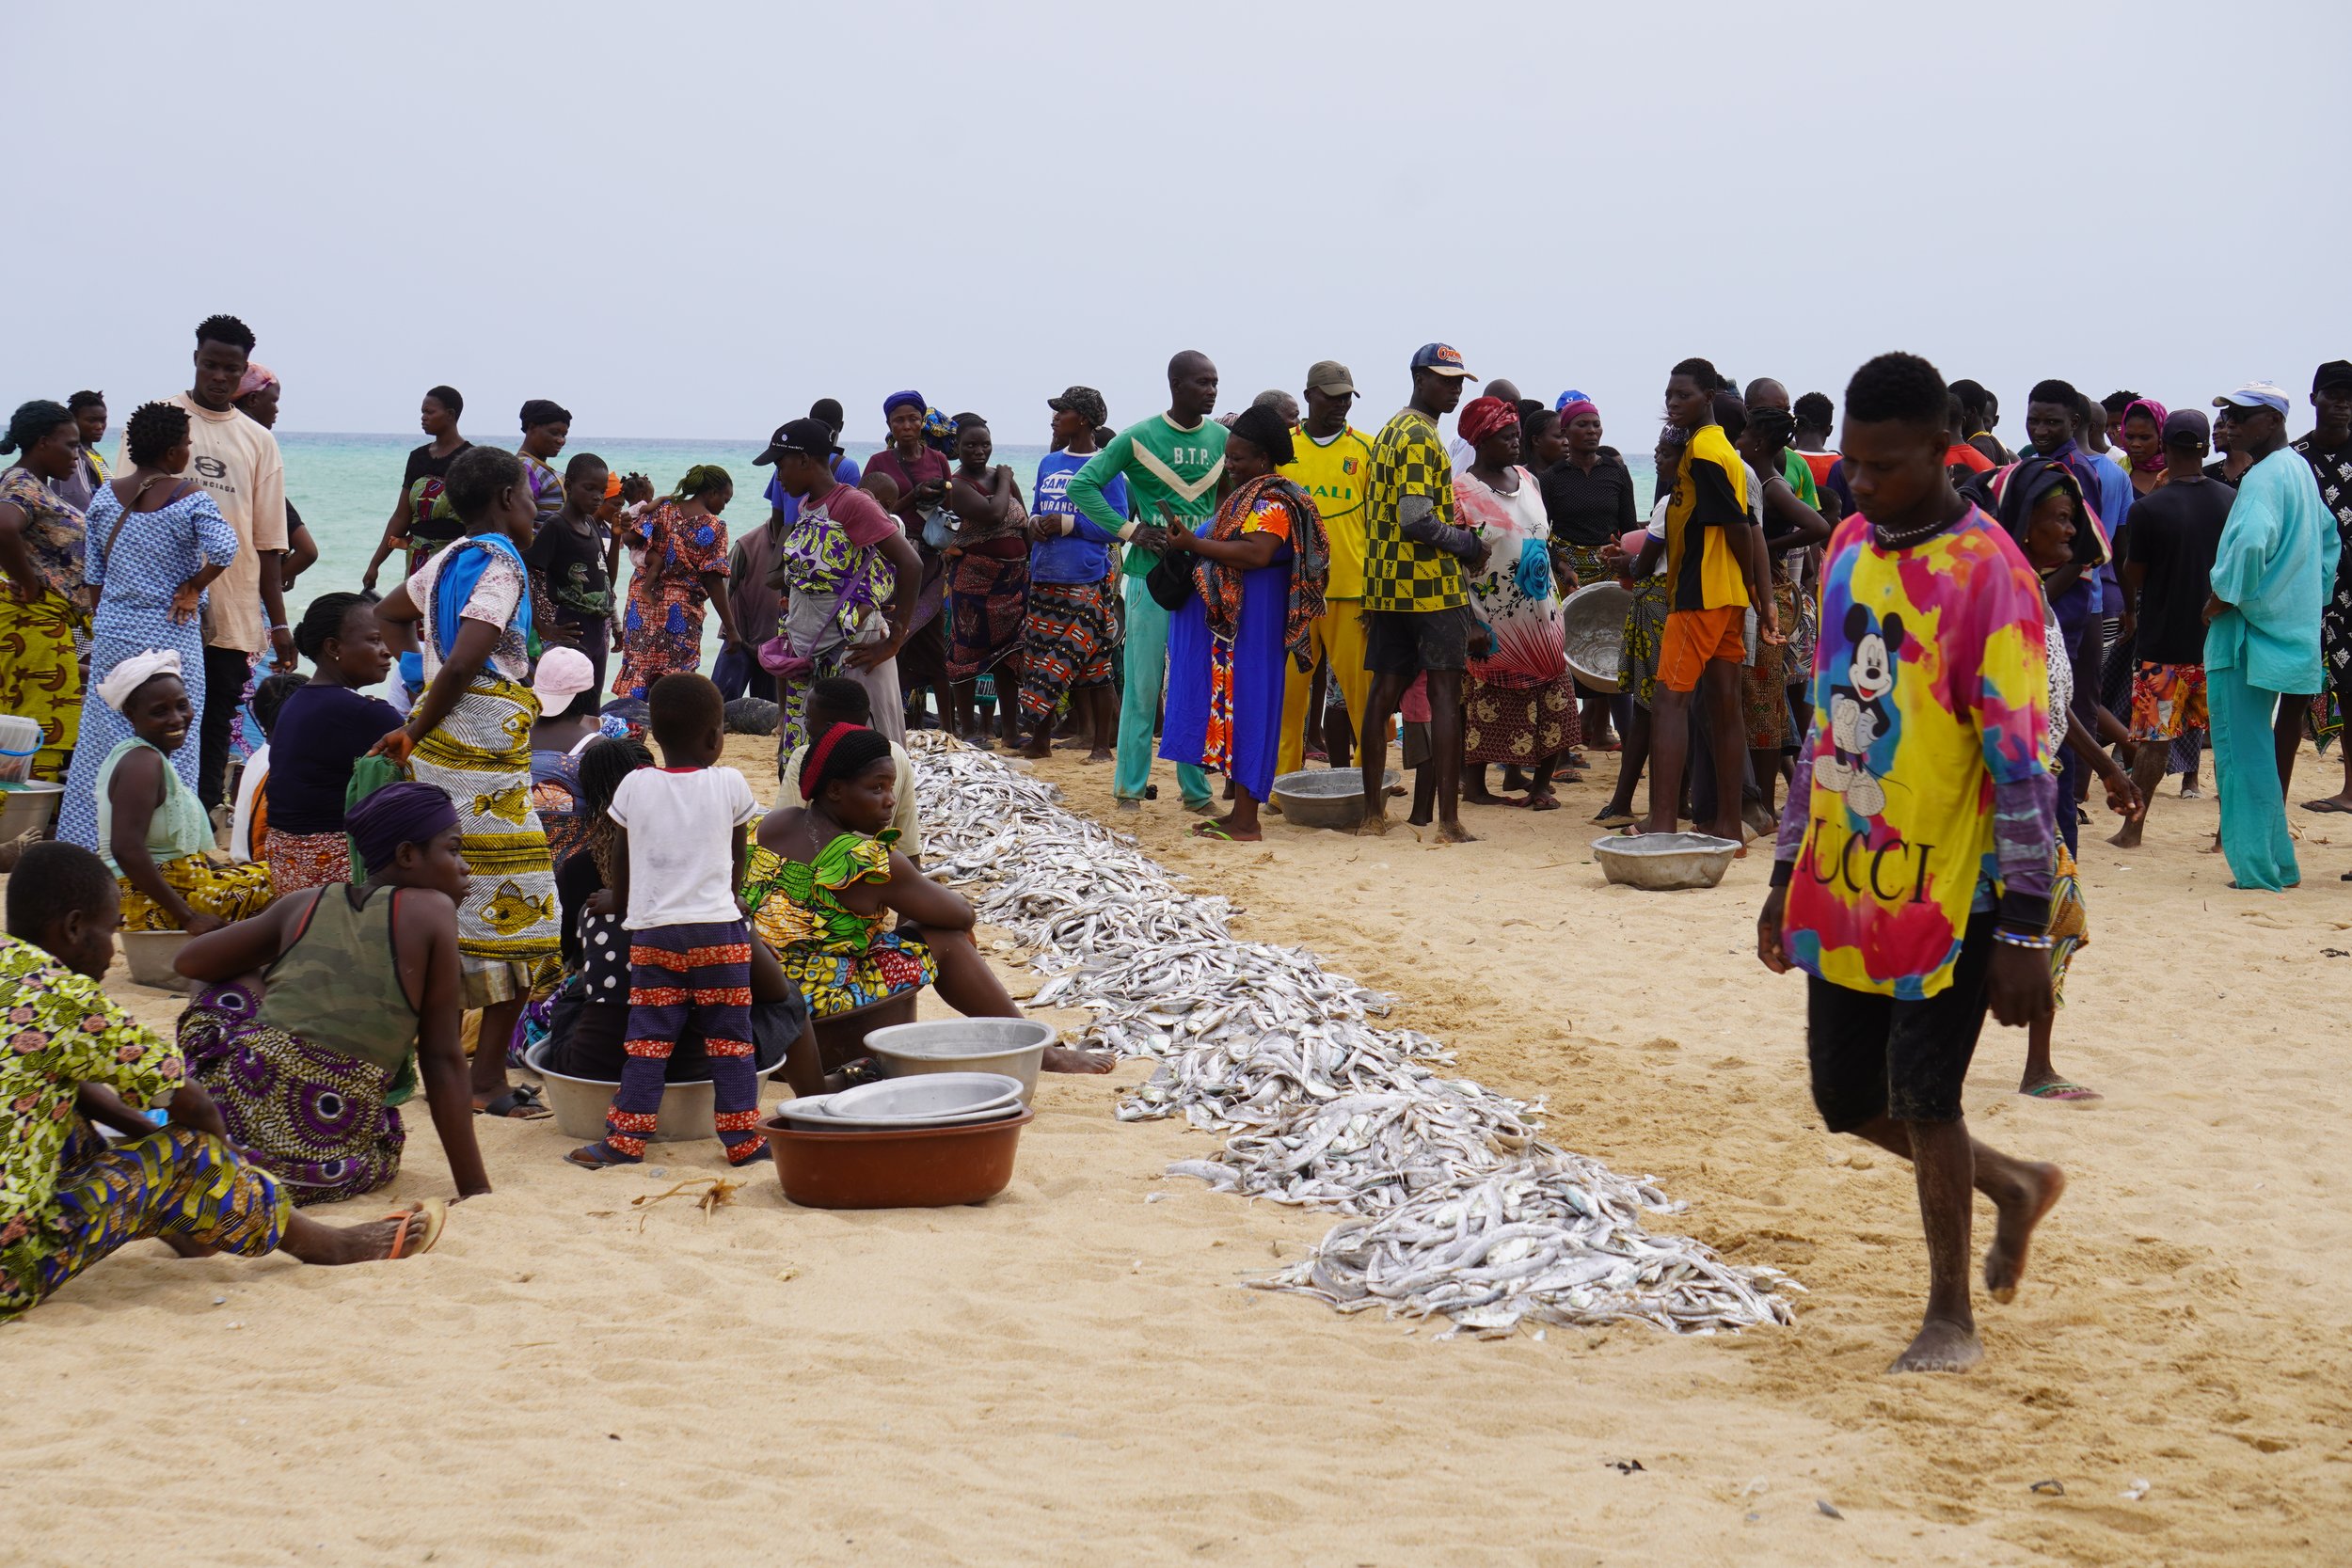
(1071, 1375)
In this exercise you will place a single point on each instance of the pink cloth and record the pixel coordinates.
(861, 515)
(1414, 710)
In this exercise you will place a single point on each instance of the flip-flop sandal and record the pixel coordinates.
(433, 1213)
(1215, 830)
(2074, 1094)
(1613, 819)
(599, 1156)
(1543, 803)
(2331, 805)
(520, 1103)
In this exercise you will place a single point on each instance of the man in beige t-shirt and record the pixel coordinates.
(237, 461)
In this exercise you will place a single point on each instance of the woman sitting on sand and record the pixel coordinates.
(826, 892)
(153, 831)
(317, 1017)
(1258, 582)
(319, 734)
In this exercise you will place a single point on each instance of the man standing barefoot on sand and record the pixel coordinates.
(1930, 686)
(1417, 614)
(1715, 569)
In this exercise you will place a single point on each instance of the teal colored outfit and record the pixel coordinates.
(1164, 465)
(2276, 568)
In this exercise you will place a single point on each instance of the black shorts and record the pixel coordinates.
(1410, 642)
(1878, 1055)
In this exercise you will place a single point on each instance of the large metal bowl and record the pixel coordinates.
(1325, 797)
(1663, 863)
(25, 807)
(1593, 629)
(689, 1106)
(1012, 1046)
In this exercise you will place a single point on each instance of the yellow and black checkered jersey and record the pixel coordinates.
(1710, 497)
(1408, 459)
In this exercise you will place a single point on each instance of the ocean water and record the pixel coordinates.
(345, 485)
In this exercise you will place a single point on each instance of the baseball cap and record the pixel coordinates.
(2335, 372)
(563, 675)
(2254, 394)
(1332, 378)
(2187, 427)
(1444, 359)
(1085, 402)
(809, 438)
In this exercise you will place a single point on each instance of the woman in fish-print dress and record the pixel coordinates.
(151, 567)
(43, 608)
(683, 564)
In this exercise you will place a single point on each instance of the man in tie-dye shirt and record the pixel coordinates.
(1912, 879)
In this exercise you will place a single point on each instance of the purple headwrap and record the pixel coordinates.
(892, 403)
(1575, 408)
(2154, 410)
(396, 815)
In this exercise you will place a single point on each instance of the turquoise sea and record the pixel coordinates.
(344, 487)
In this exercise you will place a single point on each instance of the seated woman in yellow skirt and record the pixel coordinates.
(826, 892)
(153, 831)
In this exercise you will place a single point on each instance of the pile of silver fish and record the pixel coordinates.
(1457, 1207)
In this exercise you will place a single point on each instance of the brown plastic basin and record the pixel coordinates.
(932, 1167)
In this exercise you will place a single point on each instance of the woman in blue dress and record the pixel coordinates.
(155, 543)
(1258, 575)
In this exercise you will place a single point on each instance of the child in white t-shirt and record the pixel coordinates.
(677, 861)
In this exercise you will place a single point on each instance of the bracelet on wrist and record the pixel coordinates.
(2038, 941)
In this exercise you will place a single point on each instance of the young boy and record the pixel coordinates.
(1912, 878)
(570, 591)
(66, 1199)
(677, 860)
(249, 825)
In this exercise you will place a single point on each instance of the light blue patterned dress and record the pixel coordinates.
(155, 552)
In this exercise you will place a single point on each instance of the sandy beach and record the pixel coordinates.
(1071, 1375)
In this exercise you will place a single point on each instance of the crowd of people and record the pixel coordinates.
(452, 827)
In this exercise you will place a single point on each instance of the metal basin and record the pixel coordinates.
(1014, 1047)
(1325, 796)
(689, 1106)
(25, 807)
(1593, 628)
(926, 1097)
(1665, 861)
(150, 955)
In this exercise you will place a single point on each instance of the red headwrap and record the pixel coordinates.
(813, 766)
(1482, 416)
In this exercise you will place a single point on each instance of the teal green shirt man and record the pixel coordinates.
(1165, 465)
(1172, 463)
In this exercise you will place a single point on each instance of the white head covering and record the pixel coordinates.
(563, 675)
(133, 673)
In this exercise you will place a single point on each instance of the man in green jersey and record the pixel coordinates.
(1172, 463)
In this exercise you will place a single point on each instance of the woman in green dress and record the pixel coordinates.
(827, 895)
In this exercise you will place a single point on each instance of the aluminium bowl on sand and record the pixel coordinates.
(1665, 861)
(1012, 1046)
(1325, 797)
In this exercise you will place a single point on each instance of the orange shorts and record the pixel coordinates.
(1695, 636)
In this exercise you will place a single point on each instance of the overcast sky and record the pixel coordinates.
(688, 219)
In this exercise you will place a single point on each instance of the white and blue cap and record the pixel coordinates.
(2255, 394)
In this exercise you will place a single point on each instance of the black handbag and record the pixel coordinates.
(1169, 582)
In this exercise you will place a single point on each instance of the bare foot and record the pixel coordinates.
(1098, 755)
(1061, 1058)
(1942, 1346)
(1036, 752)
(2127, 836)
(2039, 1187)
(1375, 824)
(1454, 832)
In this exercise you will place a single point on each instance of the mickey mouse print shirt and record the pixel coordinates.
(1930, 712)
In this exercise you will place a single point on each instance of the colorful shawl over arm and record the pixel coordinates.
(1311, 567)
